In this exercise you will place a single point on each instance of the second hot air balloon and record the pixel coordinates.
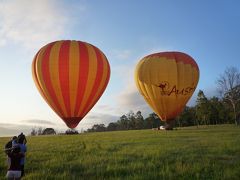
(167, 81)
(71, 76)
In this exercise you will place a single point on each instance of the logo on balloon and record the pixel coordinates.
(167, 90)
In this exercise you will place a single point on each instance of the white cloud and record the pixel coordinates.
(13, 129)
(32, 23)
(96, 118)
(130, 99)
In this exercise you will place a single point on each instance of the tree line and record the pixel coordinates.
(221, 109)
(50, 131)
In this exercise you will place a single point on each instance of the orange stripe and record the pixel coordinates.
(54, 74)
(64, 74)
(73, 74)
(90, 78)
(107, 77)
(98, 78)
(47, 79)
(108, 74)
(101, 77)
(42, 85)
(35, 78)
(34, 75)
(83, 74)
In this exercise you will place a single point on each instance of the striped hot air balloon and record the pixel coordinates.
(167, 81)
(71, 76)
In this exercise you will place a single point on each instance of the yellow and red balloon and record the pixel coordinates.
(71, 76)
(167, 81)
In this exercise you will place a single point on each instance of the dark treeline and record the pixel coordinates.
(129, 121)
(50, 131)
(224, 109)
(207, 111)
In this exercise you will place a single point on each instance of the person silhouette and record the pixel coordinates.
(14, 167)
(23, 148)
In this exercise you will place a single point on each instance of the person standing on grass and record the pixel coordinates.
(14, 168)
(8, 147)
(23, 148)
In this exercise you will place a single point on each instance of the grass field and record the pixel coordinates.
(210, 152)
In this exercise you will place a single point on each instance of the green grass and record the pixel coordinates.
(210, 152)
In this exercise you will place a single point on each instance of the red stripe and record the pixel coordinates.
(64, 74)
(83, 74)
(101, 92)
(47, 78)
(99, 76)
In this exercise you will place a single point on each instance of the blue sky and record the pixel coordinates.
(125, 31)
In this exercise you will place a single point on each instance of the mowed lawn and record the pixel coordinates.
(206, 152)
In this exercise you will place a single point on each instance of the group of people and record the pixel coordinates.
(16, 150)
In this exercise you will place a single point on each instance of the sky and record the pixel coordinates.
(125, 31)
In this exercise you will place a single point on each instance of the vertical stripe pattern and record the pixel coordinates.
(71, 76)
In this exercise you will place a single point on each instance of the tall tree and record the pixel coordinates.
(187, 117)
(215, 108)
(139, 120)
(131, 120)
(153, 121)
(112, 126)
(123, 123)
(203, 109)
(229, 88)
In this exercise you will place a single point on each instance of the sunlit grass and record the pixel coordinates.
(210, 152)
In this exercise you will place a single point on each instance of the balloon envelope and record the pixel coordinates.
(167, 80)
(71, 76)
